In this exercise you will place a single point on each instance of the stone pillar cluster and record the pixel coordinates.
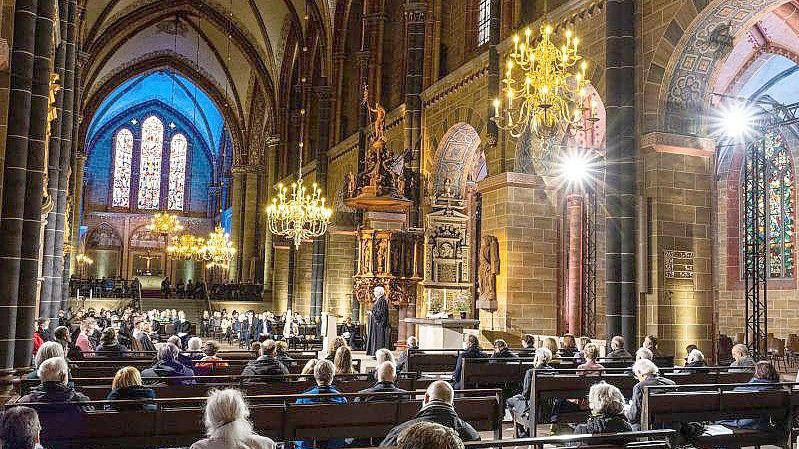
(323, 94)
(245, 200)
(620, 284)
(32, 57)
(415, 25)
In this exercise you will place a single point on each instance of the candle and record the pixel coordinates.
(496, 107)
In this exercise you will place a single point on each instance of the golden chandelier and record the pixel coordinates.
(186, 246)
(164, 224)
(543, 86)
(218, 250)
(300, 215)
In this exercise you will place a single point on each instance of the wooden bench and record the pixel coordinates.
(652, 439)
(546, 388)
(178, 422)
(668, 406)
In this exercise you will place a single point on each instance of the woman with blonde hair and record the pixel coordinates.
(569, 346)
(227, 424)
(552, 344)
(343, 361)
(384, 355)
(307, 370)
(337, 343)
(128, 385)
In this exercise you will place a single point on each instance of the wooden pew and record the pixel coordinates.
(672, 405)
(546, 388)
(652, 439)
(178, 422)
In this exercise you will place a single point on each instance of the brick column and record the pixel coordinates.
(574, 215)
(249, 223)
(415, 17)
(272, 143)
(620, 199)
(236, 237)
(520, 212)
(678, 175)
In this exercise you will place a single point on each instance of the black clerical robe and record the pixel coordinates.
(379, 330)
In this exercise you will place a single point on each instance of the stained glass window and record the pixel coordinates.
(780, 218)
(483, 21)
(152, 145)
(123, 154)
(177, 171)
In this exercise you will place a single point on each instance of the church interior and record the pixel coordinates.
(215, 211)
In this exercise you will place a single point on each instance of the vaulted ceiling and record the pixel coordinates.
(235, 50)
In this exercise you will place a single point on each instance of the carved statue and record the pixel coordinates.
(382, 250)
(487, 274)
(366, 264)
(380, 116)
(349, 185)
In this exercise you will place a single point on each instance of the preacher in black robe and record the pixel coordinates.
(379, 331)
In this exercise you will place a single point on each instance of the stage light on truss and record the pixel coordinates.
(736, 120)
(577, 167)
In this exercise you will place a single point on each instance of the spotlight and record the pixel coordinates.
(736, 120)
(576, 167)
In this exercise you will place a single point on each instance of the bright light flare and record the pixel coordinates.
(736, 120)
(577, 168)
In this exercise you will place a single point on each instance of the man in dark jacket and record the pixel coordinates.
(55, 390)
(648, 375)
(471, 351)
(168, 367)
(266, 364)
(501, 350)
(617, 350)
(386, 378)
(402, 361)
(438, 408)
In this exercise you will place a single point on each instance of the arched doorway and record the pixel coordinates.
(453, 222)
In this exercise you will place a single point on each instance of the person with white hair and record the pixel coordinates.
(742, 361)
(54, 388)
(438, 408)
(694, 362)
(386, 374)
(643, 353)
(607, 411)
(412, 344)
(194, 348)
(617, 349)
(48, 350)
(648, 375)
(168, 367)
(429, 435)
(379, 330)
(228, 425)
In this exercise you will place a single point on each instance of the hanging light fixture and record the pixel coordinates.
(186, 247)
(544, 85)
(218, 250)
(164, 224)
(300, 214)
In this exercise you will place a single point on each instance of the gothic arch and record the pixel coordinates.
(459, 159)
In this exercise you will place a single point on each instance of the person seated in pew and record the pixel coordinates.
(127, 385)
(552, 344)
(520, 404)
(578, 356)
(206, 365)
(528, 346)
(194, 348)
(429, 435)
(61, 336)
(590, 367)
(651, 343)
(141, 333)
(648, 375)
(412, 344)
(323, 373)
(617, 350)
(569, 348)
(502, 351)
(48, 350)
(688, 350)
(266, 364)
(82, 341)
(742, 361)
(228, 425)
(20, 428)
(437, 408)
(343, 361)
(110, 346)
(386, 378)
(766, 378)
(643, 353)
(55, 389)
(381, 355)
(168, 367)
(282, 353)
(471, 350)
(337, 343)
(307, 370)
(694, 362)
(607, 411)
(183, 359)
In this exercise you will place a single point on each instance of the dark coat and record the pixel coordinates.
(604, 424)
(132, 392)
(743, 365)
(763, 423)
(265, 366)
(163, 369)
(440, 413)
(56, 394)
(380, 387)
(182, 327)
(472, 352)
(111, 351)
(634, 412)
(619, 354)
(379, 330)
(504, 353)
(146, 342)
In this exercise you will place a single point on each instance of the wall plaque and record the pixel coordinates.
(679, 264)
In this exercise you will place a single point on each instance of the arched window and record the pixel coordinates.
(177, 171)
(152, 146)
(483, 21)
(123, 155)
(780, 206)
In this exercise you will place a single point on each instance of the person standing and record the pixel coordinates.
(378, 323)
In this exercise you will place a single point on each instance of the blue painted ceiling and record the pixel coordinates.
(172, 89)
(777, 77)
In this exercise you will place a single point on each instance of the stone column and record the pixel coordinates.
(620, 199)
(78, 167)
(272, 156)
(323, 95)
(574, 215)
(250, 222)
(415, 12)
(234, 273)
